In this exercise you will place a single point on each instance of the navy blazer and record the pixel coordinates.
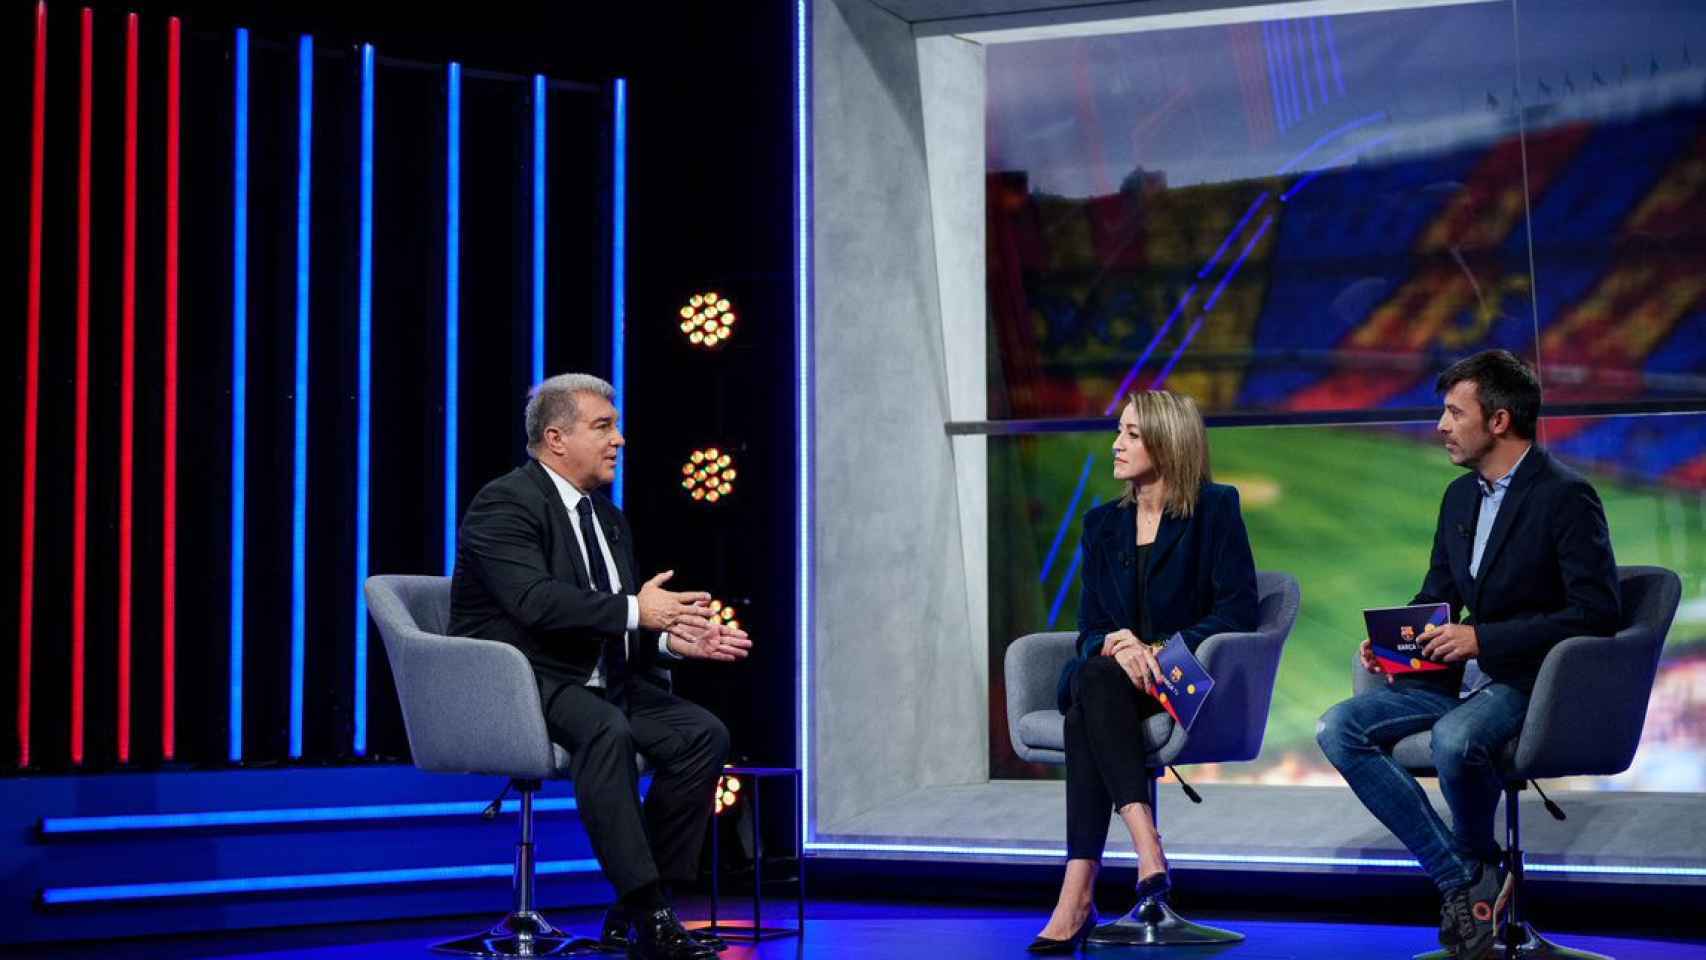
(1547, 572)
(1202, 577)
(520, 579)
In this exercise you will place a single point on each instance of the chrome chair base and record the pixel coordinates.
(525, 934)
(1532, 944)
(1153, 923)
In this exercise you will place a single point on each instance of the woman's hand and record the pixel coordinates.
(1118, 640)
(1139, 663)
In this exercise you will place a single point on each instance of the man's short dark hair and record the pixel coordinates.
(1502, 382)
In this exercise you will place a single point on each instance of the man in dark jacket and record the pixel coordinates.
(1523, 545)
(545, 562)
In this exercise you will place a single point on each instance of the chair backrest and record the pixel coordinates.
(469, 705)
(1590, 701)
(1245, 667)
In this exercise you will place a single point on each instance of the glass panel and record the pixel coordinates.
(1302, 214)
(1614, 94)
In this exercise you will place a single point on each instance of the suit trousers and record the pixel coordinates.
(685, 744)
(1104, 753)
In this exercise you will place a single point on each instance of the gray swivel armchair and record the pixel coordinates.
(472, 706)
(1229, 729)
(1559, 739)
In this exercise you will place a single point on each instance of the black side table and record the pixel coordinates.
(755, 931)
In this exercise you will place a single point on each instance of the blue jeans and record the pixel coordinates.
(1469, 736)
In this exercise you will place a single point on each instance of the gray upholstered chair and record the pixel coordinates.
(472, 706)
(1229, 729)
(1559, 739)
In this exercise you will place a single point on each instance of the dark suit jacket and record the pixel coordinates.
(1202, 578)
(1547, 572)
(520, 579)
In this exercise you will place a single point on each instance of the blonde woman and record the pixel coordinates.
(1170, 556)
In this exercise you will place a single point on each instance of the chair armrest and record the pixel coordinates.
(1032, 672)
(471, 706)
(1230, 728)
(1589, 703)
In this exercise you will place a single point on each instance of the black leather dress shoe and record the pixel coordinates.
(615, 934)
(658, 935)
(1051, 946)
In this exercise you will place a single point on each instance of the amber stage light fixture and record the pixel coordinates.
(728, 791)
(707, 320)
(708, 475)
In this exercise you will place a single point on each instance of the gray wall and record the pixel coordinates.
(900, 681)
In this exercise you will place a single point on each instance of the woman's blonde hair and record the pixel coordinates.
(1171, 428)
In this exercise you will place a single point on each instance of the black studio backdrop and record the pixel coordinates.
(709, 207)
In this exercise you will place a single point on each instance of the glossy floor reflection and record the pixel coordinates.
(852, 929)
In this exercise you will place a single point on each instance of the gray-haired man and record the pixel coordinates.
(545, 562)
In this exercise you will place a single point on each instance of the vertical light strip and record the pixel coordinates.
(239, 381)
(452, 306)
(299, 481)
(538, 227)
(1294, 49)
(1320, 66)
(802, 396)
(32, 390)
(619, 264)
(80, 474)
(127, 391)
(169, 441)
(364, 385)
(1273, 77)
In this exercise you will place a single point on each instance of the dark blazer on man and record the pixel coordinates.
(1546, 574)
(520, 579)
(1201, 576)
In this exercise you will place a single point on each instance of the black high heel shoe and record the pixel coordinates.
(1049, 945)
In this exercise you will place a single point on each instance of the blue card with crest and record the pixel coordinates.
(1185, 684)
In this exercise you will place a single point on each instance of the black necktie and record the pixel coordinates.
(615, 648)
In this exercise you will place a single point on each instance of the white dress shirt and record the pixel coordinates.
(571, 501)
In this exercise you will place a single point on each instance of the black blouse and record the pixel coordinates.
(1144, 628)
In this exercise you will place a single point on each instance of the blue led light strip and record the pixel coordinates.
(239, 383)
(1143, 358)
(1341, 157)
(364, 407)
(802, 396)
(1280, 118)
(538, 227)
(1329, 135)
(619, 264)
(452, 305)
(1045, 853)
(1066, 518)
(1333, 53)
(151, 822)
(300, 881)
(1237, 228)
(1071, 573)
(299, 480)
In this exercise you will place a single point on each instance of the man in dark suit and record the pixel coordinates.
(545, 562)
(1523, 545)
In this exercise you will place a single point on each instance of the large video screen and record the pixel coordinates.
(1308, 218)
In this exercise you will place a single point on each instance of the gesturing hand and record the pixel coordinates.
(718, 641)
(662, 609)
